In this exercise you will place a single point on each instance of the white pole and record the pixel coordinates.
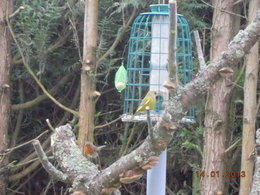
(156, 177)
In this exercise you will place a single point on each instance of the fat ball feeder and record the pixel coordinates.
(147, 71)
(147, 64)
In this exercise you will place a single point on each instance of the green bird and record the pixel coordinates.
(149, 100)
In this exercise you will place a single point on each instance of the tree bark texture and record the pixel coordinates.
(5, 66)
(172, 63)
(215, 135)
(85, 176)
(255, 189)
(88, 85)
(249, 118)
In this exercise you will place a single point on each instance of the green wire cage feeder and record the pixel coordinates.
(147, 64)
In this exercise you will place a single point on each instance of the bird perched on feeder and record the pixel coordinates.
(149, 100)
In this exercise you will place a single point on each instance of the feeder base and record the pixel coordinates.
(154, 118)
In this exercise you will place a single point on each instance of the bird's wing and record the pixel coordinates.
(145, 102)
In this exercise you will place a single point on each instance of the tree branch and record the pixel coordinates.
(85, 176)
(185, 98)
(34, 76)
(119, 37)
(16, 12)
(9, 150)
(42, 97)
(149, 123)
(70, 158)
(173, 68)
(223, 10)
(255, 189)
(47, 165)
(199, 50)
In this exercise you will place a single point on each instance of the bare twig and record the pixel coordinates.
(29, 170)
(199, 50)
(235, 84)
(49, 124)
(16, 12)
(19, 120)
(34, 76)
(13, 165)
(9, 150)
(173, 68)
(42, 97)
(233, 146)
(232, 13)
(28, 178)
(76, 37)
(107, 124)
(149, 123)
(15, 191)
(62, 39)
(204, 40)
(47, 187)
(120, 34)
(256, 179)
(257, 107)
(75, 32)
(7, 167)
(53, 171)
(239, 75)
(32, 160)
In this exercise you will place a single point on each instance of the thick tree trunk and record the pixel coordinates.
(255, 189)
(217, 105)
(249, 118)
(88, 85)
(5, 10)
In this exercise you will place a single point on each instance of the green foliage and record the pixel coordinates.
(197, 13)
(34, 25)
(187, 143)
(119, 7)
(40, 26)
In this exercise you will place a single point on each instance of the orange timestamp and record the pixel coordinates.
(226, 174)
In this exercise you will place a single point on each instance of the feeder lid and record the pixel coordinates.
(159, 8)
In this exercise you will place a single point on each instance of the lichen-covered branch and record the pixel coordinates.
(179, 104)
(53, 171)
(85, 176)
(69, 156)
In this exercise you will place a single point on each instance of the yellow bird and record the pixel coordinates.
(149, 100)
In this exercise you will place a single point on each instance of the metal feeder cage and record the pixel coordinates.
(147, 64)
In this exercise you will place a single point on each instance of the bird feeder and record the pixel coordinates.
(147, 64)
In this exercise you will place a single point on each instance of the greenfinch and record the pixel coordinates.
(149, 100)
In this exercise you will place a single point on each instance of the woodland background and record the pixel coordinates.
(50, 35)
